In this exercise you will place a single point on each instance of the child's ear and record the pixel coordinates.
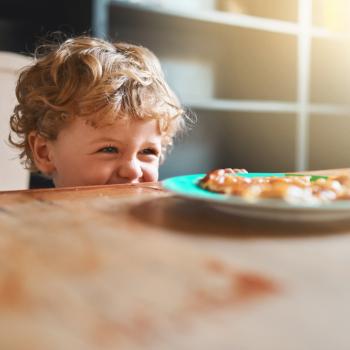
(41, 150)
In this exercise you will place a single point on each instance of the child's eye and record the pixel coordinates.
(109, 149)
(149, 151)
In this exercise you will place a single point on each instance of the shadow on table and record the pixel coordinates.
(194, 217)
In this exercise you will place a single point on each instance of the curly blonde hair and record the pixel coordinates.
(94, 79)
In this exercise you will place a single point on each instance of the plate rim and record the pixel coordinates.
(171, 184)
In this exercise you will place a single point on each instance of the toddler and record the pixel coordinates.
(91, 112)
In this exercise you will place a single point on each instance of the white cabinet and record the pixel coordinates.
(268, 79)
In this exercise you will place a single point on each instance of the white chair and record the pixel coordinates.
(12, 174)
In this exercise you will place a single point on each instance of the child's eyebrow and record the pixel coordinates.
(146, 143)
(151, 144)
(105, 139)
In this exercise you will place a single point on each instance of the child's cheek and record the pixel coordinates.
(100, 175)
(150, 173)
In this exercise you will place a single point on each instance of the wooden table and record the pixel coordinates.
(135, 267)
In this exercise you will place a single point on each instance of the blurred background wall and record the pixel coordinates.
(23, 23)
(268, 80)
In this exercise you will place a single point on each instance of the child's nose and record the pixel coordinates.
(130, 170)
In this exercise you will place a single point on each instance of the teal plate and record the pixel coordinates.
(277, 209)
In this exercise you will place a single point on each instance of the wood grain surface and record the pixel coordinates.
(135, 267)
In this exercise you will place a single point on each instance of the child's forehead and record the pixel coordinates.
(127, 125)
(122, 129)
(137, 132)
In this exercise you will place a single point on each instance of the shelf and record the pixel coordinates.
(265, 106)
(319, 32)
(232, 19)
(239, 105)
(219, 17)
(271, 67)
(283, 10)
(329, 110)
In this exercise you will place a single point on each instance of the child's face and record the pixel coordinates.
(126, 152)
